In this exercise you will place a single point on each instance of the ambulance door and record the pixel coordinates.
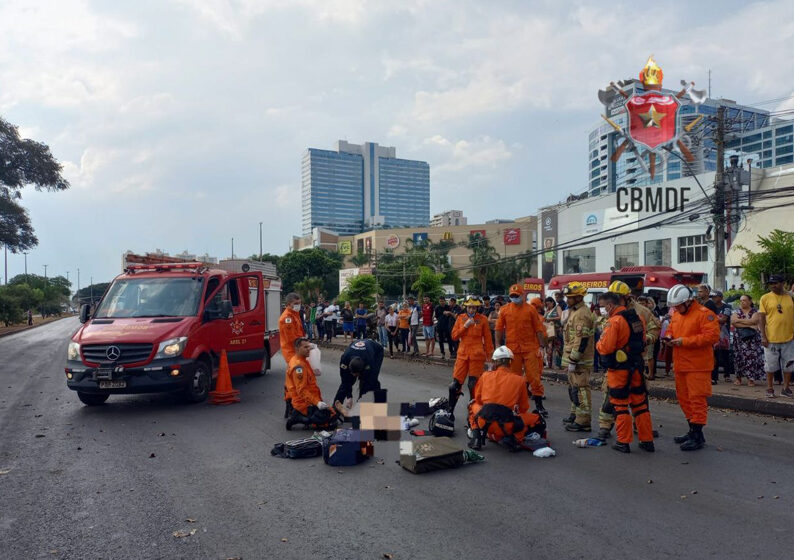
(246, 329)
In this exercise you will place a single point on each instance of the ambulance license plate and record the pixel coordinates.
(112, 384)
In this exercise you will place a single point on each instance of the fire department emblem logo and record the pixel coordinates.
(654, 125)
(237, 327)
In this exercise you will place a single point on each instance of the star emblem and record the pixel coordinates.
(653, 118)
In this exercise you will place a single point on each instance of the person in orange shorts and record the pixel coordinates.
(309, 408)
(500, 409)
(519, 328)
(622, 345)
(692, 334)
(290, 329)
(475, 347)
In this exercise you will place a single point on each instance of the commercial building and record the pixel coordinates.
(508, 239)
(355, 188)
(592, 234)
(449, 218)
(769, 146)
(605, 176)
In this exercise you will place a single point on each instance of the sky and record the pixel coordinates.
(181, 123)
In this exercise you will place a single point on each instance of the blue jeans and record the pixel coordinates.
(383, 335)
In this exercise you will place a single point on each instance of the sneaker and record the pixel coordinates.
(787, 393)
(713, 381)
(770, 393)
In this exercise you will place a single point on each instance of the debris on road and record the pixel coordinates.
(182, 534)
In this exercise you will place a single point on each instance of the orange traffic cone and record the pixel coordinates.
(223, 393)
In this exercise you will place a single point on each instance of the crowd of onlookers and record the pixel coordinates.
(755, 337)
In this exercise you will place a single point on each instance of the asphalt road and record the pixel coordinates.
(117, 481)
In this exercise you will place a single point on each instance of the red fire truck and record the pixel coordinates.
(654, 281)
(162, 327)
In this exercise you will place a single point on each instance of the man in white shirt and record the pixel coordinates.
(329, 321)
(416, 321)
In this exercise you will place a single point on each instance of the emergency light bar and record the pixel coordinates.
(162, 267)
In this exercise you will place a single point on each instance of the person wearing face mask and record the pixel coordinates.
(692, 334)
(577, 356)
(290, 329)
(622, 344)
(519, 328)
(309, 407)
(361, 362)
(475, 347)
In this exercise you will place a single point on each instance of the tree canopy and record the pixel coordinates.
(775, 257)
(23, 162)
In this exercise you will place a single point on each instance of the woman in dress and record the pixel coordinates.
(748, 354)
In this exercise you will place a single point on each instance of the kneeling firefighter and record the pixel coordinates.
(474, 333)
(622, 346)
(360, 363)
(500, 409)
(308, 407)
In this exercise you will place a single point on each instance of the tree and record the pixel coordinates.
(10, 310)
(266, 257)
(27, 297)
(776, 257)
(428, 284)
(296, 266)
(23, 162)
(363, 287)
(361, 259)
(483, 259)
(96, 290)
(310, 289)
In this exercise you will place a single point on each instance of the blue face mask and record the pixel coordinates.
(515, 299)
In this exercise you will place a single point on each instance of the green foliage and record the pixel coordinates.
(310, 289)
(95, 290)
(397, 273)
(296, 266)
(24, 162)
(483, 259)
(776, 257)
(27, 297)
(361, 259)
(363, 287)
(266, 257)
(48, 295)
(10, 308)
(428, 284)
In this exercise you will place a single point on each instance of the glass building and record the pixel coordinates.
(606, 176)
(769, 146)
(356, 188)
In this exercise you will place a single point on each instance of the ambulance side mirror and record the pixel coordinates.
(85, 312)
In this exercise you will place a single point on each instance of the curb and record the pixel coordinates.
(31, 327)
(756, 406)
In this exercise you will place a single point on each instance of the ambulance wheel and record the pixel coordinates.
(92, 399)
(198, 388)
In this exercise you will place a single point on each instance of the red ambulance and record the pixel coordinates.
(162, 327)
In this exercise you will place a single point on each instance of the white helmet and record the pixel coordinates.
(678, 294)
(502, 353)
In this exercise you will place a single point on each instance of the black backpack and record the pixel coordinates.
(441, 424)
(298, 449)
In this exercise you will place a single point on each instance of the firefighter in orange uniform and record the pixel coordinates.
(537, 303)
(290, 329)
(622, 345)
(692, 334)
(500, 409)
(519, 328)
(309, 408)
(475, 347)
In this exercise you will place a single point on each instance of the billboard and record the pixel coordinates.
(512, 236)
(548, 221)
(345, 247)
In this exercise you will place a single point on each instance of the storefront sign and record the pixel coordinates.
(548, 220)
(345, 247)
(392, 242)
(512, 236)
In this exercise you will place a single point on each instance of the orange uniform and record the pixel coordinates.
(693, 361)
(290, 329)
(475, 346)
(403, 318)
(300, 377)
(521, 325)
(626, 386)
(503, 387)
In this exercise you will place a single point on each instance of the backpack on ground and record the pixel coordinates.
(431, 454)
(345, 448)
(298, 448)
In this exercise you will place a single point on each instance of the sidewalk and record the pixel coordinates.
(725, 395)
(37, 322)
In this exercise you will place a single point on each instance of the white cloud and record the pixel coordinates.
(463, 154)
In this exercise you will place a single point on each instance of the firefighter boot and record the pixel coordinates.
(576, 427)
(297, 418)
(622, 447)
(604, 434)
(454, 395)
(647, 446)
(696, 440)
(684, 438)
(539, 407)
(569, 419)
(476, 439)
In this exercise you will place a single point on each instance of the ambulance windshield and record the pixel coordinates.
(152, 297)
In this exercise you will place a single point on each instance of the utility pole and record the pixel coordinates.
(404, 294)
(232, 247)
(26, 267)
(5, 274)
(45, 273)
(260, 241)
(718, 212)
(92, 291)
(78, 286)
